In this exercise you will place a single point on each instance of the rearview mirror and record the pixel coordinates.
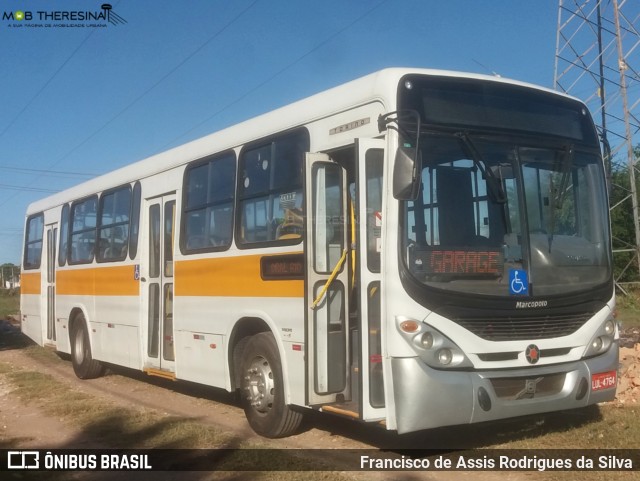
(406, 181)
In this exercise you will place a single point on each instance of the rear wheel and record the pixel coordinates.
(84, 365)
(263, 389)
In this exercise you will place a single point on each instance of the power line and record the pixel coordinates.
(279, 72)
(179, 65)
(27, 188)
(55, 173)
(162, 79)
(46, 84)
(137, 99)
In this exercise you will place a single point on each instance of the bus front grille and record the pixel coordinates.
(517, 388)
(524, 328)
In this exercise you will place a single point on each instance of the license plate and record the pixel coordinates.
(604, 380)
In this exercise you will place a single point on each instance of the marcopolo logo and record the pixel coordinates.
(78, 18)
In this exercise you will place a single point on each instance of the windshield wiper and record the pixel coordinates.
(493, 182)
(557, 197)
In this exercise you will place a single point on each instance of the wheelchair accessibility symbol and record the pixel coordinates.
(518, 282)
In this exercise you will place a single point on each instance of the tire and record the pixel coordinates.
(84, 365)
(262, 389)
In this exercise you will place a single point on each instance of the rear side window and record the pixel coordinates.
(209, 190)
(33, 242)
(83, 231)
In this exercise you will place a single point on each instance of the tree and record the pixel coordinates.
(622, 228)
(9, 273)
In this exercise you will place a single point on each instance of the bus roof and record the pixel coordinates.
(380, 86)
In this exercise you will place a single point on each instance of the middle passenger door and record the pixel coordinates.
(157, 277)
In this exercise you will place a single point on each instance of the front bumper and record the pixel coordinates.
(427, 398)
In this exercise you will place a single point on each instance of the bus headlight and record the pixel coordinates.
(445, 356)
(426, 340)
(610, 327)
(433, 347)
(602, 340)
(597, 344)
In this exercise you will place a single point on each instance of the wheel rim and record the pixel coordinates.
(259, 385)
(79, 346)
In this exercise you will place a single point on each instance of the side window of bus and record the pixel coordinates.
(270, 190)
(209, 191)
(135, 220)
(83, 230)
(113, 230)
(64, 236)
(373, 169)
(33, 241)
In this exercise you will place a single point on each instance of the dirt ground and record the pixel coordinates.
(28, 427)
(629, 379)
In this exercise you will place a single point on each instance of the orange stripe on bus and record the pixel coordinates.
(30, 283)
(230, 276)
(98, 281)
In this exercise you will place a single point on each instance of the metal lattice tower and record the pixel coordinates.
(598, 61)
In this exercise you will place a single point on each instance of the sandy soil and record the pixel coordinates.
(25, 426)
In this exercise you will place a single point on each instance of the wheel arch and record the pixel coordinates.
(85, 364)
(74, 315)
(242, 330)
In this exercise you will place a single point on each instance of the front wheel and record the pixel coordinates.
(84, 365)
(263, 389)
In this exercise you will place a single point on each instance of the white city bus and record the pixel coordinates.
(416, 248)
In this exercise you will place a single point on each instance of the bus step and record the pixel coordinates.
(341, 411)
(160, 373)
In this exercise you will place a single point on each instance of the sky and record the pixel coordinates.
(78, 101)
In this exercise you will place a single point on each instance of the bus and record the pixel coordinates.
(415, 248)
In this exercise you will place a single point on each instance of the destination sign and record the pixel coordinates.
(282, 267)
(469, 262)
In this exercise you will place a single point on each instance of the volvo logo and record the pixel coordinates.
(532, 354)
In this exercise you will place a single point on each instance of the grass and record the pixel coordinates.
(603, 427)
(112, 426)
(9, 302)
(628, 309)
(608, 426)
(596, 427)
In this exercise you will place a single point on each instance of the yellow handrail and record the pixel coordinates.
(353, 243)
(333, 275)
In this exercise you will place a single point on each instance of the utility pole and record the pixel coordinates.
(597, 60)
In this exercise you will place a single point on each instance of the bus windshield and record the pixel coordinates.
(542, 210)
